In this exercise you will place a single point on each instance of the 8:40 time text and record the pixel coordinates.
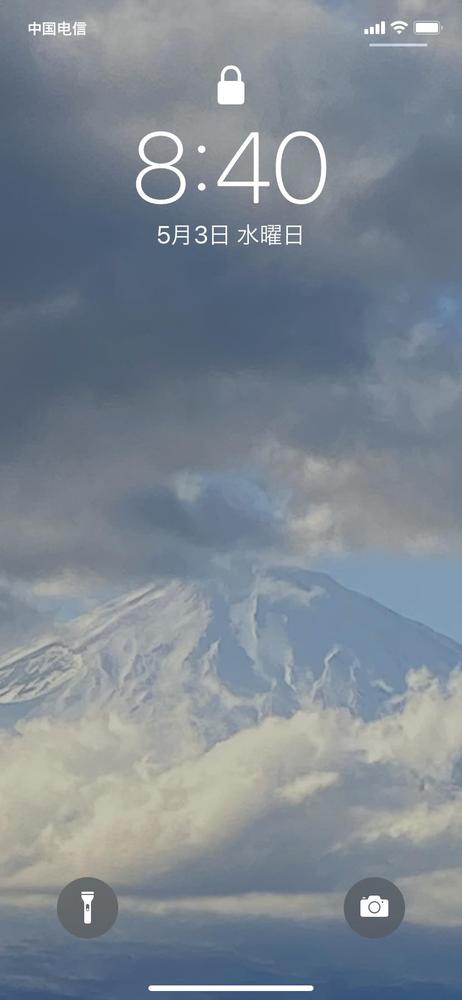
(252, 142)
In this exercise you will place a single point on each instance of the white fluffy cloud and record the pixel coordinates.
(90, 795)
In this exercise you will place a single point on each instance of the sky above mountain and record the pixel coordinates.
(305, 402)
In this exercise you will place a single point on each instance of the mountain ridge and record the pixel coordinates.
(225, 654)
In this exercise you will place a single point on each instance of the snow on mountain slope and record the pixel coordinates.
(217, 657)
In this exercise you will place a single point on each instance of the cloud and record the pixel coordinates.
(97, 793)
(305, 377)
(21, 617)
(415, 203)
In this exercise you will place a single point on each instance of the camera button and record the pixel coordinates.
(374, 907)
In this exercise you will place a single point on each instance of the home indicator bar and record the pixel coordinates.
(231, 989)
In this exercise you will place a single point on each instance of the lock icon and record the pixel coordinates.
(231, 91)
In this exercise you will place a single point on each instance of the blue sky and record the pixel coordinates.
(426, 589)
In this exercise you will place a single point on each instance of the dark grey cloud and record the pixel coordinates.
(125, 364)
(221, 515)
(417, 202)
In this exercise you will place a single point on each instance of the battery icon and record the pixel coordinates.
(427, 27)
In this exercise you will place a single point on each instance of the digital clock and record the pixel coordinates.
(251, 142)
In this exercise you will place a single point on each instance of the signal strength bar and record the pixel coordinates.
(376, 29)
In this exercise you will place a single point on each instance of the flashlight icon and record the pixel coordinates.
(87, 899)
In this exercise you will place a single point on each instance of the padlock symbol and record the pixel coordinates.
(231, 91)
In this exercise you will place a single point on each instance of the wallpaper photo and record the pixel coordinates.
(230, 495)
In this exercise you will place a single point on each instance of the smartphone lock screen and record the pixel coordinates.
(231, 499)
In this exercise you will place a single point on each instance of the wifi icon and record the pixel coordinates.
(399, 26)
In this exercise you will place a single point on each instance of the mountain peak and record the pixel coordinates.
(222, 655)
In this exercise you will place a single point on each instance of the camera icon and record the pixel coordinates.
(374, 906)
(370, 898)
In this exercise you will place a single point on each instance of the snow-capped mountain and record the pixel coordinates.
(219, 656)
